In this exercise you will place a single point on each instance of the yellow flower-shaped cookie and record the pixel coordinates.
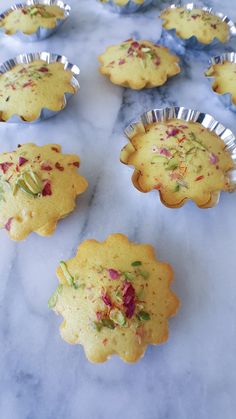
(38, 186)
(202, 24)
(182, 160)
(29, 18)
(224, 75)
(138, 64)
(115, 298)
(26, 89)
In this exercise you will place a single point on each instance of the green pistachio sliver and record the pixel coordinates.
(33, 182)
(190, 150)
(97, 326)
(136, 263)
(145, 49)
(159, 158)
(176, 187)
(33, 11)
(182, 183)
(23, 187)
(15, 188)
(47, 15)
(54, 298)
(143, 315)
(67, 274)
(118, 317)
(144, 274)
(118, 296)
(197, 142)
(108, 323)
(172, 164)
(129, 276)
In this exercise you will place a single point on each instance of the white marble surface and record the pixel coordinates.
(193, 375)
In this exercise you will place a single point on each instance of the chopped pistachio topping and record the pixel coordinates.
(136, 263)
(108, 323)
(144, 274)
(129, 276)
(117, 317)
(29, 182)
(97, 326)
(54, 298)
(143, 315)
(70, 279)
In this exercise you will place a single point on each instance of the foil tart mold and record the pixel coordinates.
(185, 114)
(193, 42)
(48, 58)
(41, 32)
(225, 98)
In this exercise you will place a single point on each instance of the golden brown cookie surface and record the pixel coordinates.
(203, 25)
(38, 186)
(138, 64)
(115, 298)
(28, 88)
(29, 18)
(182, 160)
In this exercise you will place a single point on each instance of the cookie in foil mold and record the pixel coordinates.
(196, 27)
(126, 6)
(34, 20)
(222, 71)
(36, 86)
(182, 153)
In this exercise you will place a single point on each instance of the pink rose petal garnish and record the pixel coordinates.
(22, 161)
(172, 132)
(113, 273)
(43, 70)
(59, 167)
(165, 152)
(47, 189)
(106, 299)
(8, 224)
(157, 60)
(135, 44)
(99, 315)
(213, 158)
(29, 83)
(122, 61)
(76, 163)
(5, 166)
(183, 126)
(129, 299)
(46, 166)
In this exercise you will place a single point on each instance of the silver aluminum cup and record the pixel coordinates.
(193, 42)
(185, 114)
(225, 98)
(41, 32)
(130, 7)
(49, 58)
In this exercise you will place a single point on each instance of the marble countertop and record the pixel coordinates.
(193, 375)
